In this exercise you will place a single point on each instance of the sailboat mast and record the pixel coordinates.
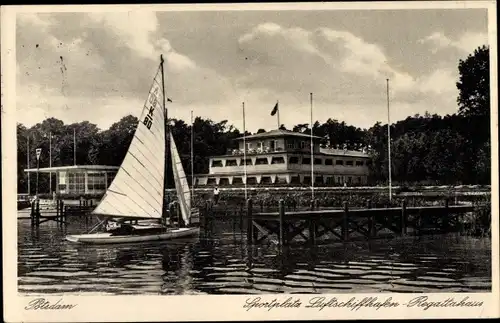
(192, 157)
(165, 185)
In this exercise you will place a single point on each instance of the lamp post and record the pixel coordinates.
(38, 153)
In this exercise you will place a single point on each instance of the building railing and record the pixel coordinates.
(255, 151)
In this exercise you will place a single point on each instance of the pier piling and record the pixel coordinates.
(445, 218)
(281, 216)
(404, 218)
(249, 221)
(345, 223)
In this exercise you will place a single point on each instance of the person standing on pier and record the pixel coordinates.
(216, 195)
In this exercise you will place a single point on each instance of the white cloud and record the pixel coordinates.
(467, 42)
(342, 52)
(138, 30)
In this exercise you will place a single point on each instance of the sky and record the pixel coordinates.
(99, 66)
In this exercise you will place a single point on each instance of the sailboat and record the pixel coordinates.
(133, 205)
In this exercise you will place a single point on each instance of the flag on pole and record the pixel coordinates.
(169, 100)
(275, 109)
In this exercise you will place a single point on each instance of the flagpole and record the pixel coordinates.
(389, 142)
(28, 164)
(277, 104)
(245, 152)
(74, 146)
(192, 157)
(312, 153)
(50, 161)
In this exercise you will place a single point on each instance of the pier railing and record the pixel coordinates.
(284, 226)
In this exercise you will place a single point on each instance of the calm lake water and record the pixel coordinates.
(222, 263)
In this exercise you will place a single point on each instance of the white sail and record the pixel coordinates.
(181, 183)
(138, 187)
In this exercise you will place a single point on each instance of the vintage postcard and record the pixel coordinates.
(219, 162)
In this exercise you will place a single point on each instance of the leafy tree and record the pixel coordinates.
(474, 83)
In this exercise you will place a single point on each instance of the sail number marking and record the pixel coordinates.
(153, 100)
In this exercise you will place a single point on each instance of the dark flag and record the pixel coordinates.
(168, 100)
(275, 109)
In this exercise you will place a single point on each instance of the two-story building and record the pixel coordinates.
(284, 157)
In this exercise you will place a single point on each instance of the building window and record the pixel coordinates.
(251, 180)
(277, 160)
(96, 182)
(294, 160)
(216, 163)
(260, 145)
(211, 181)
(349, 163)
(62, 187)
(76, 182)
(328, 161)
(273, 145)
(319, 180)
(359, 179)
(295, 180)
(318, 161)
(231, 162)
(302, 144)
(248, 161)
(261, 161)
(281, 179)
(237, 180)
(249, 146)
(306, 161)
(111, 177)
(359, 163)
(266, 180)
(290, 144)
(224, 181)
(368, 163)
(339, 162)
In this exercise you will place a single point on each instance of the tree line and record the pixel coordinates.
(430, 149)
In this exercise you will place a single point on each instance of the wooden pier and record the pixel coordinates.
(58, 214)
(284, 226)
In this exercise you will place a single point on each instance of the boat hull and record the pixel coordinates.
(108, 238)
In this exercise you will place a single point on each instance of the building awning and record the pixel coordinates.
(73, 168)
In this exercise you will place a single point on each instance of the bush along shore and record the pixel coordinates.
(477, 223)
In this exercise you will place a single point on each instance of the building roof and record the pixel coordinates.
(75, 167)
(342, 152)
(278, 133)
